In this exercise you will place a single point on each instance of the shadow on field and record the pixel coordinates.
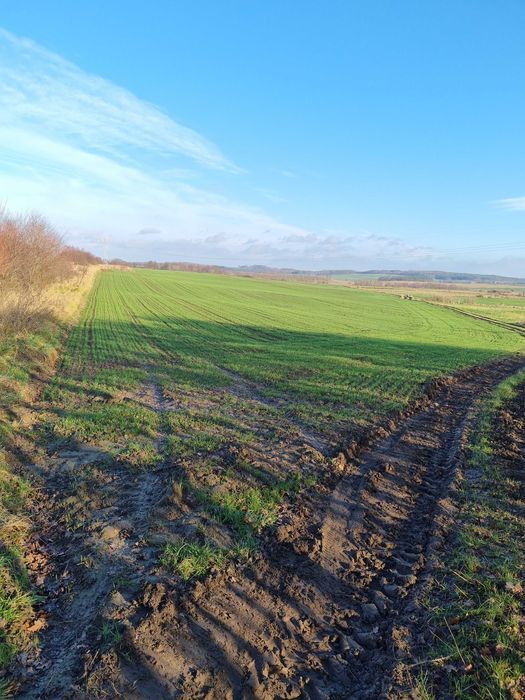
(325, 377)
(290, 609)
(347, 623)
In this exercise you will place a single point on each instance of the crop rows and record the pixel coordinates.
(192, 412)
(337, 354)
(243, 388)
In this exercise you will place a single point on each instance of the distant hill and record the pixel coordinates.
(428, 276)
(378, 275)
(388, 275)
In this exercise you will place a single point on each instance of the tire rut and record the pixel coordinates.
(341, 620)
(117, 551)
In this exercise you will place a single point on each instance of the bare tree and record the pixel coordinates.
(30, 260)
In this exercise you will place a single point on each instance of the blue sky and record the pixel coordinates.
(336, 134)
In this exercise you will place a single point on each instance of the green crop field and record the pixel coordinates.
(506, 304)
(233, 394)
(332, 355)
(243, 387)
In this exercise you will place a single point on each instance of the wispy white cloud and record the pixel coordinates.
(270, 195)
(94, 157)
(120, 176)
(42, 90)
(514, 203)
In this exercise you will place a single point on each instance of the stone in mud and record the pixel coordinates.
(118, 601)
(381, 602)
(391, 589)
(110, 533)
(351, 644)
(343, 643)
(370, 612)
(368, 640)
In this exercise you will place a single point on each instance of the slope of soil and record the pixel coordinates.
(329, 607)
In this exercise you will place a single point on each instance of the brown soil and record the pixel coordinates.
(328, 608)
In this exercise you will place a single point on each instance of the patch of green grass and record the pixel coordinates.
(16, 604)
(423, 686)
(247, 511)
(178, 446)
(109, 422)
(111, 634)
(13, 491)
(191, 560)
(16, 599)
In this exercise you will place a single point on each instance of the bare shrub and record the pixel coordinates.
(30, 261)
(78, 256)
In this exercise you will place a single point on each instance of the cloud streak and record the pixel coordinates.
(121, 177)
(513, 203)
(42, 90)
(92, 156)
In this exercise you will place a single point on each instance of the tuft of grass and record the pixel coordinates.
(248, 511)
(6, 689)
(111, 634)
(16, 599)
(109, 422)
(423, 686)
(190, 445)
(191, 560)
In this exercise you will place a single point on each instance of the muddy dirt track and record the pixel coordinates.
(328, 608)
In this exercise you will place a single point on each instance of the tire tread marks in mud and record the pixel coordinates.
(116, 552)
(339, 621)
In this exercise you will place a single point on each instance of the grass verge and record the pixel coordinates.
(479, 616)
(26, 360)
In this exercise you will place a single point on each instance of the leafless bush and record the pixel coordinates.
(78, 256)
(30, 261)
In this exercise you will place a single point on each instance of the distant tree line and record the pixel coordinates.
(32, 258)
(181, 266)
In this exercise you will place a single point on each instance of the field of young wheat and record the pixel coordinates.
(332, 354)
(188, 420)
